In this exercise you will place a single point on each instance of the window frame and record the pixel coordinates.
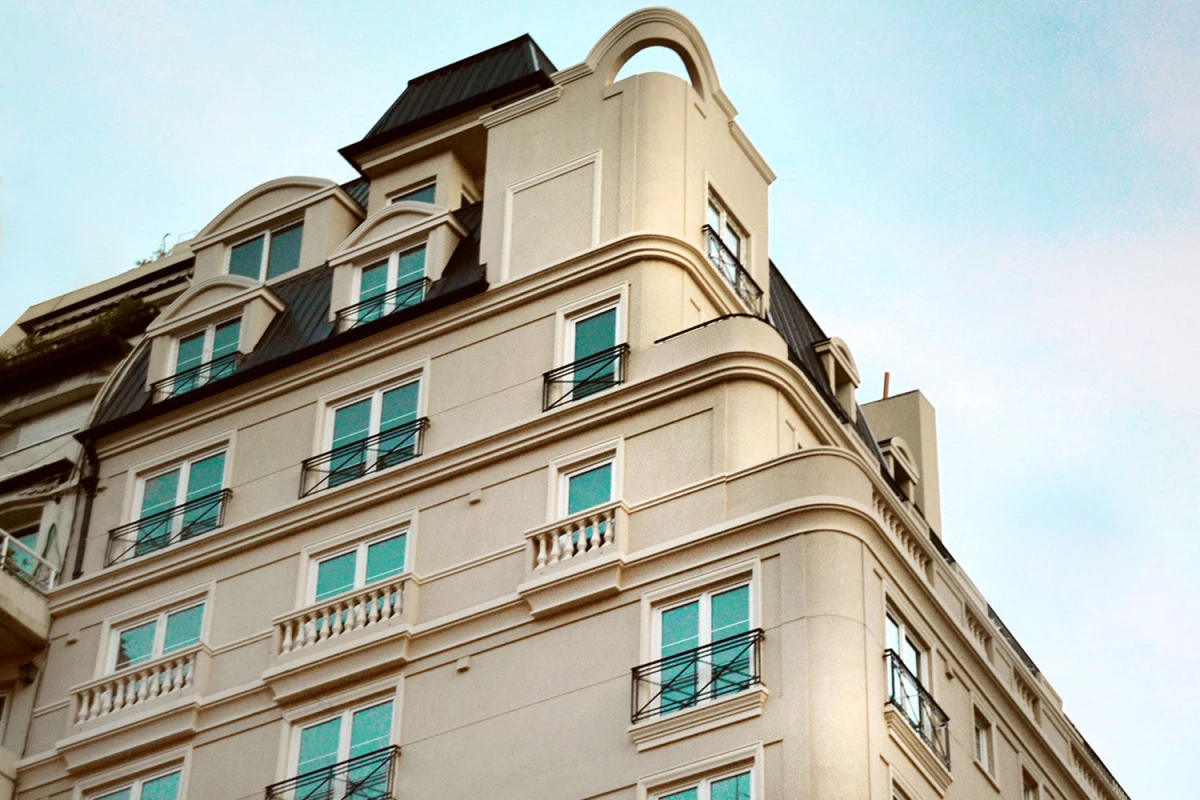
(578, 468)
(728, 764)
(982, 725)
(1031, 788)
(360, 564)
(376, 397)
(393, 273)
(346, 716)
(136, 785)
(210, 333)
(160, 632)
(918, 642)
(703, 784)
(268, 236)
(139, 494)
(728, 221)
(401, 195)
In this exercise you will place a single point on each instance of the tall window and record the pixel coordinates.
(362, 565)
(1029, 787)
(727, 787)
(163, 787)
(195, 482)
(589, 336)
(370, 433)
(912, 656)
(421, 194)
(392, 284)
(983, 742)
(157, 636)
(707, 620)
(351, 734)
(213, 344)
(267, 255)
(726, 231)
(587, 487)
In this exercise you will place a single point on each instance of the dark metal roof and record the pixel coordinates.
(302, 330)
(358, 189)
(494, 74)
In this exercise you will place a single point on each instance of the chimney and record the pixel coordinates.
(910, 416)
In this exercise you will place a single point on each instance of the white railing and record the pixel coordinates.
(135, 686)
(591, 531)
(19, 560)
(341, 615)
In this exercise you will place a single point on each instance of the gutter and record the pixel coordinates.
(87, 482)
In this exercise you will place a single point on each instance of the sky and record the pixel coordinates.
(998, 203)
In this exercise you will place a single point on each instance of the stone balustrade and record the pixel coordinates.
(135, 686)
(338, 616)
(589, 532)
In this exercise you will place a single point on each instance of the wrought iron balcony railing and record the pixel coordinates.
(585, 377)
(915, 704)
(352, 461)
(686, 679)
(728, 265)
(192, 379)
(156, 531)
(371, 776)
(404, 296)
(26, 565)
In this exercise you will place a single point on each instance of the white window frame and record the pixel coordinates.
(160, 631)
(1031, 788)
(982, 725)
(135, 786)
(568, 315)
(210, 333)
(360, 562)
(703, 786)
(268, 236)
(396, 197)
(184, 466)
(918, 641)
(346, 715)
(564, 480)
(393, 273)
(376, 396)
(711, 769)
(729, 221)
(568, 339)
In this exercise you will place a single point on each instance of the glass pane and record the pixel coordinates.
(225, 338)
(246, 259)
(399, 408)
(120, 794)
(158, 494)
(588, 489)
(893, 635)
(372, 284)
(183, 629)
(680, 629)
(680, 635)
(735, 788)
(686, 794)
(285, 251)
(164, 788)
(204, 478)
(733, 242)
(135, 645)
(732, 667)
(370, 729)
(423, 195)
(714, 218)
(412, 266)
(730, 613)
(319, 746)
(386, 558)
(191, 352)
(350, 424)
(21, 561)
(911, 657)
(595, 333)
(335, 575)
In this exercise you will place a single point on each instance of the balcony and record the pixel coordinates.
(367, 777)
(728, 265)
(171, 675)
(404, 296)
(153, 533)
(191, 379)
(341, 616)
(27, 566)
(584, 377)
(684, 680)
(352, 461)
(917, 708)
(575, 560)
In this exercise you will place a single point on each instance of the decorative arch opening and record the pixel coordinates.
(655, 57)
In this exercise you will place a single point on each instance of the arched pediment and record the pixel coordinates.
(263, 199)
(390, 222)
(218, 292)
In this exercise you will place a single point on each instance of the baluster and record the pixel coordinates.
(373, 611)
(82, 714)
(389, 599)
(594, 524)
(339, 620)
(155, 680)
(119, 699)
(189, 670)
(539, 544)
(611, 528)
(131, 690)
(360, 613)
(310, 629)
(285, 646)
(143, 686)
(106, 700)
(177, 673)
(325, 627)
(555, 547)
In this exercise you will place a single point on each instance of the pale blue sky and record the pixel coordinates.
(997, 202)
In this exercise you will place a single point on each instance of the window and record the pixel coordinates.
(206, 356)
(20, 561)
(906, 684)
(163, 787)
(267, 255)
(391, 285)
(421, 194)
(705, 650)
(352, 734)
(726, 235)
(158, 636)
(983, 742)
(374, 432)
(586, 487)
(591, 338)
(1029, 787)
(728, 787)
(192, 488)
(367, 563)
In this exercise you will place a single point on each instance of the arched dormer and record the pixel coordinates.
(275, 229)
(388, 262)
(841, 372)
(900, 462)
(203, 335)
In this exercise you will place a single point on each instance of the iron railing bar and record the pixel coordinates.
(740, 273)
(740, 656)
(909, 695)
(420, 287)
(614, 357)
(206, 369)
(204, 504)
(323, 782)
(409, 435)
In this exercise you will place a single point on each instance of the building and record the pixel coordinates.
(516, 467)
(53, 362)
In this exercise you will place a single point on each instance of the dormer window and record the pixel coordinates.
(267, 255)
(725, 242)
(390, 285)
(420, 194)
(206, 356)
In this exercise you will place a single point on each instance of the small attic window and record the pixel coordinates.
(655, 58)
(267, 255)
(900, 462)
(841, 372)
(424, 193)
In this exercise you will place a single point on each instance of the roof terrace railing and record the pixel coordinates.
(371, 776)
(404, 296)
(19, 561)
(156, 531)
(728, 265)
(584, 377)
(201, 375)
(356, 459)
(685, 679)
(914, 702)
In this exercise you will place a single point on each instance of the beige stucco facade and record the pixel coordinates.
(506, 642)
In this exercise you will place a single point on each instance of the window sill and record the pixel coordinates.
(920, 754)
(990, 777)
(658, 731)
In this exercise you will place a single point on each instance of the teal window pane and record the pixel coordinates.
(680, 634)
(246, 259)
(120, 794)
(386, 558)
(412, 266)
(734, 788)
(225, 338)
(595, 333)
(588, 489)
(731, 662)
(399, 406)
(335, 576)
(160, 493)
(22, 561)
(680, 629)
(164, 788)
(370, 729)
(423, 195)
(135, 645)
(351, 424)
(893, 635)
(183, 629)
(190, 353)
(686, 794)
(206, 476)
(714, 218)
(319, 747)
(372, 285)
(730, 613)
(285, 251)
